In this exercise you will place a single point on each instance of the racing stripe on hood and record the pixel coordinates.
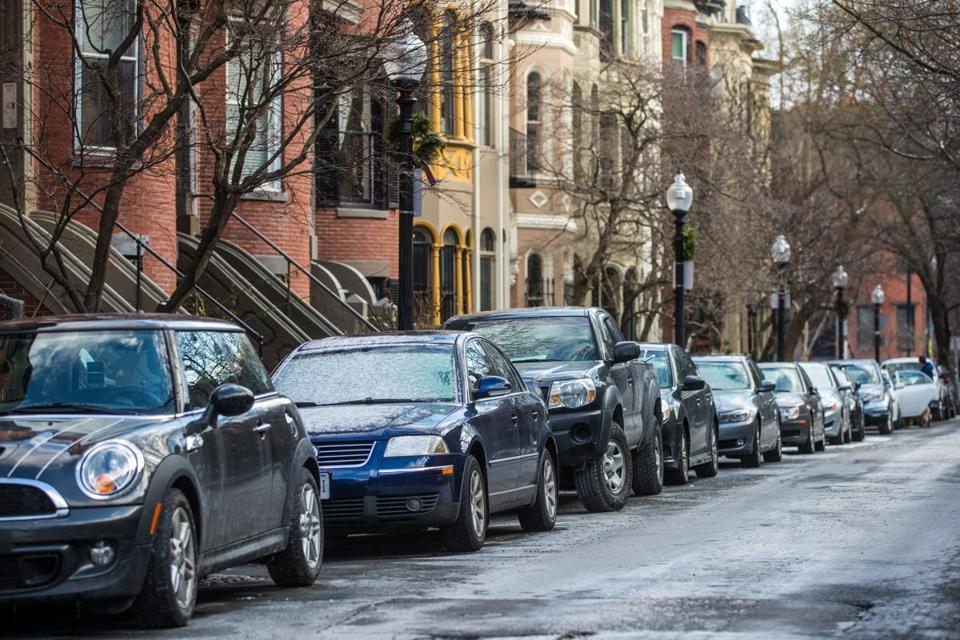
(79, 442)
(44, 440)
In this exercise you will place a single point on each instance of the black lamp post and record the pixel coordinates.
(877, 297)
(679, 200)
(780, 251)
(840, 279)
(405, 64)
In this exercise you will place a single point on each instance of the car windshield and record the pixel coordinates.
(124, 372)
(725, 376)
(786, 378)
(819, 376)
(893, 367)
(909, 378)
(539, 339)
(864, 374)
(369, 375)
(661, 364)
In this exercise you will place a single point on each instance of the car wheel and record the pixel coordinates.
(755, 458)
(887, 427)
(169, 590)
(821, 444)
(860, 434)
(648, 471)
(810, 445)
(298, 565)
(542, 514)
(603, 484)
(775, 454)
(470, 530)
(680, 475)
(711, 468)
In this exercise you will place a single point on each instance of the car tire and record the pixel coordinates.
(680, 475)
(648, 471)
(887, 427)
(810, 445)
(298, 565)
(169, 590)
(754, 459)
(470, 530)
(542, 514)
(861, 433)
(775, 454)
(821, 444)
(712, 468)
(599, 492)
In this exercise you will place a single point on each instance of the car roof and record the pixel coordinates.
(910, 359)
(530, 312)
(724, 358)
(116, 322)
(386, 339)
(776, 365)
(854, 361)
(655, 346)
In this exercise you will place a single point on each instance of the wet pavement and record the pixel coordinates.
(862, 541)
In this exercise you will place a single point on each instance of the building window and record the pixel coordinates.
(359, 123)
(534, 108)
(624, 27)
(865, 332)
(701, 53)
(488, 258)
(251, 109)
(448, 91)
(646, 20)
(577, 126)
(448, 275)
(101, 27)
(423, 273)
(534, 280)
(605, 25)
(680, 43)
(486, 84)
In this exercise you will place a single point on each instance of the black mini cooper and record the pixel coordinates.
(140, 453)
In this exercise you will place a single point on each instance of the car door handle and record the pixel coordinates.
(515, 419)
(263, 427)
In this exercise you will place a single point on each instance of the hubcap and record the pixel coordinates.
(549, 487)
(714, 449)
(311, 529)
(478, 506)
(183, 556)
(613, 467)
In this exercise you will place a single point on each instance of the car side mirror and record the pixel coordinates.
(856, 387)
(491, 387)
(845, 386)
(625, 351)
(694, 383)
(231, 400)
(768, 386)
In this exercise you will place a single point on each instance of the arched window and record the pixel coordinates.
(448, 51)
(422, 257)
(488, 257)
(680, 46)
(534, 108)
(486, 84)
(701, 53)
(448, 275)
(465, 274)
(534, 280)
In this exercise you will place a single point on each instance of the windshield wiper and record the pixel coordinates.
(369, 401)
(66, 407)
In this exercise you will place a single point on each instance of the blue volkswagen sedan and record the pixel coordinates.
(420, 430)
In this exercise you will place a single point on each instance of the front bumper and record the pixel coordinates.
(833, 423)
(795, 432)
(736, 438)
(875, 415)
(49, 559)
(579, 435)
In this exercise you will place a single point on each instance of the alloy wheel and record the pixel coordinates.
(478, 507)
(311, 528)
(684, 455)
(614, 467)
(183, 557)
(659, 457)
(549, 487)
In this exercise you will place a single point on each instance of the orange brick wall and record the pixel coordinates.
(358, 238)
(688, 20)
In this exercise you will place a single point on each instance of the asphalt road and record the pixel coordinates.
(860, 542)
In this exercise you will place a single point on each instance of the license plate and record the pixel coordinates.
(324, 486)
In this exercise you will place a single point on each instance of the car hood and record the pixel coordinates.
(790, 399)
(31, 447)
(733, 400)
(378, 420)
(548, 371)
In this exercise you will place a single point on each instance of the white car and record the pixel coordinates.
(917, 394)
(912, 363)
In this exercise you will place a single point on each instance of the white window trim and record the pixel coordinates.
(686, 45)
(274, 122)
(79, 27)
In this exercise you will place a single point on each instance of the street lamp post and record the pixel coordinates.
(840, 279)
(679, 201)
(405, 64)
(780, 252)
(876, 296)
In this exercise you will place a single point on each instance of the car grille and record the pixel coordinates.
(28, 570)
(343, 509)
(395, 507)
(18, 500)
(343, 454)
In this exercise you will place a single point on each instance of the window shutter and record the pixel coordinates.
(327, 166)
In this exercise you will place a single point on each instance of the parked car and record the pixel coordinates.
(851, 397)
(801, 410)
(140, 453)
(605, 408)
(939, 410)
(747, 409)
(423, 430)
(836, 416)
(880, 407)
(690, 425)
(917, 394)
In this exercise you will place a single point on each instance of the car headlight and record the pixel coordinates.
(790, 412)
(831, 405)
(572, 393)
(109, 469)
(415, 446)
(737, 415)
